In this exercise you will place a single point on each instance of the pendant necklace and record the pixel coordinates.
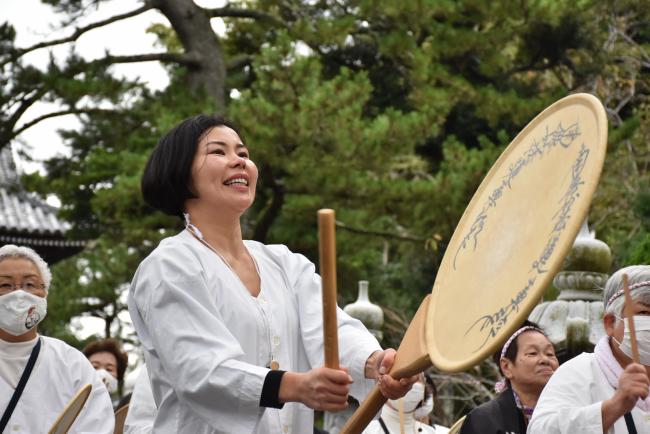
(273, 364)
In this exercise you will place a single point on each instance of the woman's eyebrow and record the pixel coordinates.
(9, 276)
(220, 143)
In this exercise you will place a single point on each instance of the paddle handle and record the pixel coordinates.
(629, 313)
(327, 253)
(411, 359)
(375, 400)
(364, 414)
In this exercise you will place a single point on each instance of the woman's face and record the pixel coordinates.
(534, 364)
(223, 176)
(23, 273)
(104, 360)
(20, 273)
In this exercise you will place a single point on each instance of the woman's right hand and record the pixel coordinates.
(322, 389)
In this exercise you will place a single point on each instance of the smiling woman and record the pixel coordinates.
(224, 179)
(527, 361)
(232, 328)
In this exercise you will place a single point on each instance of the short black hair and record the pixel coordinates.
(165, 182)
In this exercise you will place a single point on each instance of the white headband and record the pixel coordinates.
(516, 334)
(621, 291)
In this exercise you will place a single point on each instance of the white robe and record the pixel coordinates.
(571, 402)
(392, 421)
(59, 373)
(142, 407)
(207, 341)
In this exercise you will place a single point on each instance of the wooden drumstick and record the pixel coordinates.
(401, 416)
(629, 313)
(327, 253)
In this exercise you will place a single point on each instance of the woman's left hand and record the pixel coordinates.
(378, 365)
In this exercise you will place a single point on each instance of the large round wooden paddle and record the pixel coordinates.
(508, 245)
(69, 414)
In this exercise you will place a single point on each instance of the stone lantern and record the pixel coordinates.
(370, 314)
(574, 322)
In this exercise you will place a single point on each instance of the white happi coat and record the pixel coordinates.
(208, 341)
(60, 371)
(572, 399)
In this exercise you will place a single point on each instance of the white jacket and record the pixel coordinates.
(59, 373)
(207, 341)
(572, 399)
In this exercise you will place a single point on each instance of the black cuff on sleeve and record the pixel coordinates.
(271, 390)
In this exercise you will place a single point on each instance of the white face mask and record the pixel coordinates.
(426, 409)
(21, 311)
(642, 329)
(107, 378)
(411, 399)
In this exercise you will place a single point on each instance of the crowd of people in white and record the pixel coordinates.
(232, 335)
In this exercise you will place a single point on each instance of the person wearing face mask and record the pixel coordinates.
(38, 374)
(527, 360)
(110, 361)
(423, 411)
(402, 415)
(604, 391)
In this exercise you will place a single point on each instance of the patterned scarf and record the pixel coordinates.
(527, 411)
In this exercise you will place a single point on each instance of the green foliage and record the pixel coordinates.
(389, 112)
(639, 252)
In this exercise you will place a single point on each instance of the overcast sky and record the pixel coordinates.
(35, 22)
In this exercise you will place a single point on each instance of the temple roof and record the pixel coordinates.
(25, 219)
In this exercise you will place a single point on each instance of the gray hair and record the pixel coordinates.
(635, 274)
(20, 252)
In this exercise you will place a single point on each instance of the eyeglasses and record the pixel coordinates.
(6, 288)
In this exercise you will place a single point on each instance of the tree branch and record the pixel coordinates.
(78, 32)
(634, 43)
(381, 234)
(238, 62)
(228, 12)
(183, 59)
(24, 105)
(74, 111)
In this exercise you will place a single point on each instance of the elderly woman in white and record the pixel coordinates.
(604, 391)
(232, 329)
(38, 373)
